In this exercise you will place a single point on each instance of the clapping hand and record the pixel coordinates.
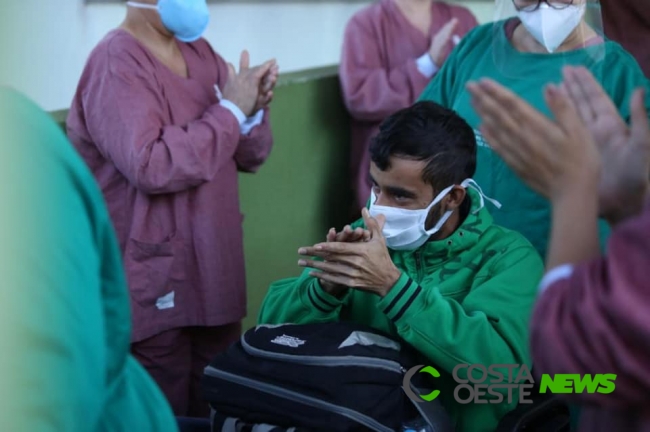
(243, 87)
(347, 235)
(442, 42)
(267, 85)
(625, 151)
(588, 142)
(552, 157)
(363, 265)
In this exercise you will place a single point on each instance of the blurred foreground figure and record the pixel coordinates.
(64, 313)
(592, 314)
(628, 23)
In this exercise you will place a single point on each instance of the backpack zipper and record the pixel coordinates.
(331, 361)
(273, 390)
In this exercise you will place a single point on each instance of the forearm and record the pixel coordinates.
(255, 144)
(574, 232)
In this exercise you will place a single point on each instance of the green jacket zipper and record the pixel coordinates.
(418, 265)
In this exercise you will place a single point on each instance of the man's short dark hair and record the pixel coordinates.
(428, 132)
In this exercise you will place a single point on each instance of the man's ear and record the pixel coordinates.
(455, 198)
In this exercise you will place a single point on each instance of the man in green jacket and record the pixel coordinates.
(426, 263)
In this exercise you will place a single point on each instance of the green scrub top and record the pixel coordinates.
(523, 209)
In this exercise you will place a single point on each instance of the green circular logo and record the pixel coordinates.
(409, 389)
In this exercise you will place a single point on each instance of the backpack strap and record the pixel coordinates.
(265, 428)
(433, 412)
(229, 425)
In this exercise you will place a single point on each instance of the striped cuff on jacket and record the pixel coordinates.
(400, 298)
(321, 300)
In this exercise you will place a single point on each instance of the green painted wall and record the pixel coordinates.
(303, 189)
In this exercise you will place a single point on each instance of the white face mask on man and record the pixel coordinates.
(404, 229)
(551, 26)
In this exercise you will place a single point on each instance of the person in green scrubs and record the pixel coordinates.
(64, 311)
(524, 49)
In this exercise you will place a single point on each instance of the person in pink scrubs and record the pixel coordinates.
(166, 126)
(391, 50)
(628, 23)
(591, 316)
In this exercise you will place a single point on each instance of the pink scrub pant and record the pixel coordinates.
(176, 359)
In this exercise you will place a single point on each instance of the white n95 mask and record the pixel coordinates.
(404, 229)
(552, 26)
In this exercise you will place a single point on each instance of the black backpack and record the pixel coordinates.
(330, 377)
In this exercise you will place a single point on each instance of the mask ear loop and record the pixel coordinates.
(142, 5)
(482, 196)
(443, 219)
(373, 198)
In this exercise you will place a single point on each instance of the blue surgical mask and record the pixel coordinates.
(186, 19)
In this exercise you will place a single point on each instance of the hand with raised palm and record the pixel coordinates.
(243, 87)
(624, 150)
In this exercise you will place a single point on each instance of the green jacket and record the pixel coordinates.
(464, 299)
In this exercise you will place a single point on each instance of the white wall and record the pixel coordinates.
(46, 42)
